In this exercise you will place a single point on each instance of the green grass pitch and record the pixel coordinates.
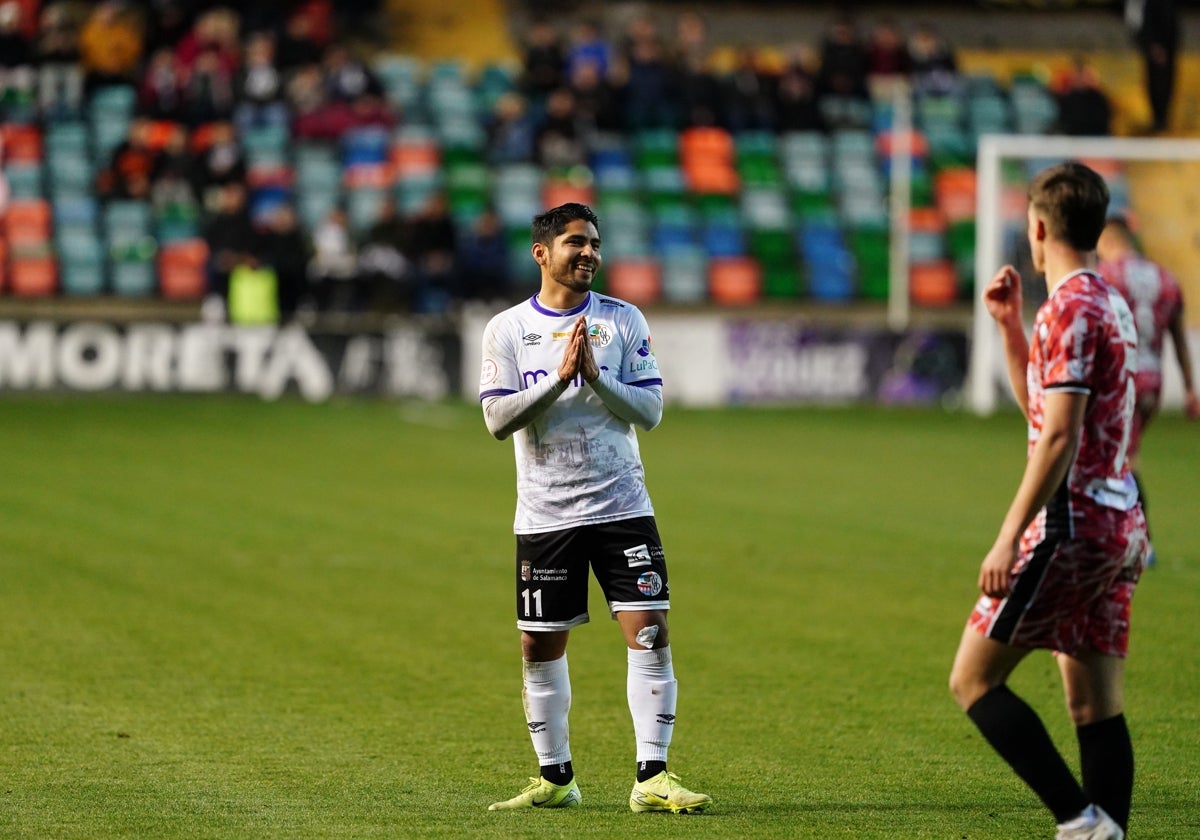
(223, 618)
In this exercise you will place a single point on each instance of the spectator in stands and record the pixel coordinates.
(560, 141)
(129, 170)
(697, 88)
(1155, 27)
(749, 95)
(110, 45)
(887, 55)
(208, 91)
(595, 101)
(333, 269)
(17, 75)
(259, 86)
(796, 105)
(932, 63)
(348, 78)
(648, 84)
(160, 91)
(510, 131)
(542, 61)
(483, 259)
(169, 22)
(230, 237)
(299, 46)
(220, 163)
(434, 238)
(587, 44)
(383, 264)
(214, 37)
(282, 245)
(171, 189)
(843, 69)
(60, 80)
(1083, 108)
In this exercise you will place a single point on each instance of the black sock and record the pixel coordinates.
(558, 774)
(1016, 732)
(649, 769)
(1106, 757)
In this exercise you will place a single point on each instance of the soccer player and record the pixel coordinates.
(1154, 295)
(1062, 571)
(568, 374)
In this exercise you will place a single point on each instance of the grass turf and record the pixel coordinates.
(225, 618)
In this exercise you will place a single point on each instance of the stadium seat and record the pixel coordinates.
(933, 283)
(734, 281)
(21, 143)
(559, 191)
(181, 269)
(32, 276)
(685, 274)
(637, 280)
(27, 222)
(24, 179)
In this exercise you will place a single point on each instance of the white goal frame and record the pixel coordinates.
(986, 372)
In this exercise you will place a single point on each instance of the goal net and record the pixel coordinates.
(1155, 181)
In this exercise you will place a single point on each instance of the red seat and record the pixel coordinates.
(638, 281)
(933, 283)
(182, 269)
(33, 276)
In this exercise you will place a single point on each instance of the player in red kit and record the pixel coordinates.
(1062, 571)
(1154, 295)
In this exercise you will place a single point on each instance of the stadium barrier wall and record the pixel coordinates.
(707, 360)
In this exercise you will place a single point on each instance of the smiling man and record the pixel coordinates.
(568, 374)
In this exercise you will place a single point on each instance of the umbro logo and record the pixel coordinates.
(669, 720)
(532, 339)
(537, 725)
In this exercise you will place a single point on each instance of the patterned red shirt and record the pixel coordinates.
(1154, 295)
(1084, 342)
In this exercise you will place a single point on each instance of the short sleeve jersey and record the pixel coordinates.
(1084, 342)
(1154, 295)
(578, 463)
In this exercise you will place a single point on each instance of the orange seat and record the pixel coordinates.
(555, 193)
(638, 281)
(918, 146)
(409, 160)
(711, 178)
(933, 283)
(954, 193)
(734, 281)
(706, 142)
(33, 276)
(181, 269)
(27, 222)
(926, 220)
(368, 176)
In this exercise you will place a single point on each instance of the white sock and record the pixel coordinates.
(547, 700)
(652, 689)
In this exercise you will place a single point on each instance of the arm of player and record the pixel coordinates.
(506, 413)
(641, 406)
(1045, 471)
(1191, 403)
(1002, 296)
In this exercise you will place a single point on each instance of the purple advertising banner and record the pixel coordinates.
(786, 362)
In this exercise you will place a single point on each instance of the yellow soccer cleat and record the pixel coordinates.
(665, 793)
(542, 794)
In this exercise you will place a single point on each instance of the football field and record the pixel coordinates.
(225, 618)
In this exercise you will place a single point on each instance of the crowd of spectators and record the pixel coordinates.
(206, 74)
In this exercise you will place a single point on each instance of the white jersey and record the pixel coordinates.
(577, 463)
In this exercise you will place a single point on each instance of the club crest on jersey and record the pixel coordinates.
(649, 584)
(600, 335)
(526, 570)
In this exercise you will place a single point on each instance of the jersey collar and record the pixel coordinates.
(1074, 273)
(536, 304)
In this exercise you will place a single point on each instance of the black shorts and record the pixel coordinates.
(552, 572)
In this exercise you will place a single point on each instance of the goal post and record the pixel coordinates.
(986, 373)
